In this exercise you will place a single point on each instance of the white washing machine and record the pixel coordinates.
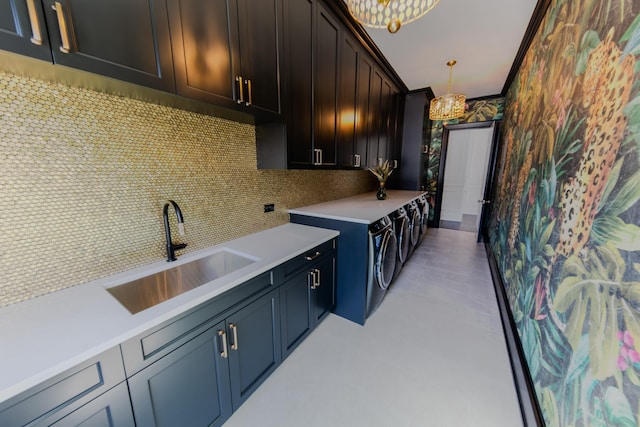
(382, 262)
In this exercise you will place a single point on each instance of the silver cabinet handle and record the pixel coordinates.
(62, 23)
(234, 329)
(239, 80)
(223, 336)
(36, 34)
(312, 257)
(312, 278)
(395, 164)
(250, 92)
(317, 276)
(317, 154)
(356, 161)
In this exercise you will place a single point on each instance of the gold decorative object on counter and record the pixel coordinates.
(382, 172)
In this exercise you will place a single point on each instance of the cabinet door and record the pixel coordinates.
(384, 130)
(254, 345)
(22, 28)
(363, 118)
(259, 32)
(326, 87)
(347, 97)
(124, 39)
(204, 39)
(299, 62)
(295, 311)
(112, 409)
(323, 299)
(189, 386)
(374, 118)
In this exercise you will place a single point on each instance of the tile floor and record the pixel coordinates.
(433, 354)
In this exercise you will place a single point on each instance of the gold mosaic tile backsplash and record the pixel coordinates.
(85, 174)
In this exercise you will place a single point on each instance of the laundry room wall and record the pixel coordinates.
(85, 174)
(565, 220)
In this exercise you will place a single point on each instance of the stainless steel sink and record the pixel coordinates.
(148, 291)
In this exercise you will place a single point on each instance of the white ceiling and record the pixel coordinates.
(483, 36)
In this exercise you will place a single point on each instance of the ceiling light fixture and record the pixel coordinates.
(389, 14)
(449, 106)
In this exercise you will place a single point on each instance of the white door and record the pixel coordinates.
(465, 173)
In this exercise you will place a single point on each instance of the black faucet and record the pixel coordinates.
(171, 248)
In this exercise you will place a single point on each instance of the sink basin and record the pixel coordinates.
(148, 291)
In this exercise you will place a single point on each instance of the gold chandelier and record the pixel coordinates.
(449, 106)
(389, 14)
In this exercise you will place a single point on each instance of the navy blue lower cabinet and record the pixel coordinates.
(112, 409)
(89, 389)
(305, 300)
(253, 335)
(295, 311)
(323, 298)
(189, 386)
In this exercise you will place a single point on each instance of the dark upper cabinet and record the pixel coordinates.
(326, 88)
(124, 39)
(312, 59)
(228, 52)
(347, 104)
(260, 52)
(23, 30)
(298, 27)
(375, 97)
(385, 136)
(363, 118)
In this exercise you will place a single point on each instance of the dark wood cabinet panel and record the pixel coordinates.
(347, 110)
(124, 39)
(384, 122)
(260, 47)
(203, 41)
(23, 30)
(363, 117)
(326, 87)
(299, 60)
(375, 97)
(228, 52)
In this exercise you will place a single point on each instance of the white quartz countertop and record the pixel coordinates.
(364, 208)
(45, 336)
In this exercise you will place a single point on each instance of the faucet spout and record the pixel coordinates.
(172, 247)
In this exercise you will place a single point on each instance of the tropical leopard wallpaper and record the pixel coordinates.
(565, 223)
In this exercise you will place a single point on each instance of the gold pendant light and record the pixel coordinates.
(449, 106)
(389, 14)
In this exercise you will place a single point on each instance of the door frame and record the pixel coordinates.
(488, 188)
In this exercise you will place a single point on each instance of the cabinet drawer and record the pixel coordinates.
(65, 392)
(151, 345)
(291, 267)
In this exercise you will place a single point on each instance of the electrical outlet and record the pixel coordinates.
(269, 208)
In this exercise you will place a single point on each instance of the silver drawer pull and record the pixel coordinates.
(223, 335)
(234, 328)
(312, 257)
